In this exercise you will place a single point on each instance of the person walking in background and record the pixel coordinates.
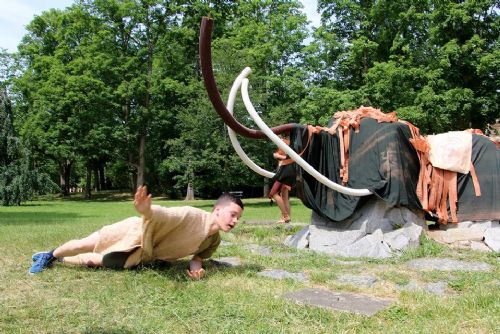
(284, 180)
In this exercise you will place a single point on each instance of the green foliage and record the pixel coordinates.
(115, 86)
(20, 179)
(396, 313)
(20, 182)
(424, 59)
(267, 36)
(427, 248)
(202, 156)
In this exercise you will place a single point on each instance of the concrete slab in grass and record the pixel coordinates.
(257, 249)
(437, 288)
(444, 264)
(339, 301)
(283, 274)
(363, 281)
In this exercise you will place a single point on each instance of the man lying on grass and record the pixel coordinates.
(161, 234)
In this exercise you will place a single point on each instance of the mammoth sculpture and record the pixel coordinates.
(339, 168)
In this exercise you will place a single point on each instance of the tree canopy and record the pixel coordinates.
(108, 93)
(21, 177)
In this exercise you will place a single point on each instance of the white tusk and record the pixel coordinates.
(291, 153)
(232, 134)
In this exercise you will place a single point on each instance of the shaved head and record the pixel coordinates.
(226, 199)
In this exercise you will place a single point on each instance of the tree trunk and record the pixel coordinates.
(133, 182)
(88, 182)
(132, 172)
(64, 174)
(102, 178)
(266, 187)
(142, 139)
(140, 167)
(96, 177)
(189, 192)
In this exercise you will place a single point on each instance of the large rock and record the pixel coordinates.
(402, 238)
(371, 245)
(459, 234)
(376, 230)
(299, 240)
(374, 215)
(483, 226)
(332, 241)
(482, 236)
(492, 238)
(479, 246)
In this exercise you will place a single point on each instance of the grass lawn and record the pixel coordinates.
(161, 299)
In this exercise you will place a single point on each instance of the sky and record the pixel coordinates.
(16, 14)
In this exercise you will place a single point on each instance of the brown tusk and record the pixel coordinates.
(213, 92)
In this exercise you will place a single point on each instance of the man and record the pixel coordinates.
(161, 234)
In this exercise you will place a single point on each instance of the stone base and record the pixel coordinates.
(376, 230)
(482, 236)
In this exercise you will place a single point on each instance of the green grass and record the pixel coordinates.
(160, 299)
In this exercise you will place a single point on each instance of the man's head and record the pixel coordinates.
(227, 210)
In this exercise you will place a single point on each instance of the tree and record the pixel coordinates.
(69, 111)
(431, 61)
(267, 36)
(20, 178)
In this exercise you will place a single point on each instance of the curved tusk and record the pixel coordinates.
(232, 134)
(211, 87)
(291, 153)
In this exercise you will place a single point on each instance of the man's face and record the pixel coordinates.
(228, 215)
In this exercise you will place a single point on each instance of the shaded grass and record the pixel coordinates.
(158, 298)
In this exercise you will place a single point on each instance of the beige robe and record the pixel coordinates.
(170, 233)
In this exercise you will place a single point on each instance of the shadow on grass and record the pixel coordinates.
(31, 204)
(98, 330)
(115, 196)
(176, 270)
(36, 218)
(102, 197)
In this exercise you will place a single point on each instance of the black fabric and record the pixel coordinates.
(286, 175)
(381, 159)
(116, 260)
(486, 160)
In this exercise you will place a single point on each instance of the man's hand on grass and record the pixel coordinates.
(196, 271)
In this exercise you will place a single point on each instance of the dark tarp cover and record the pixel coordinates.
(382, 159)
(486, 160)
